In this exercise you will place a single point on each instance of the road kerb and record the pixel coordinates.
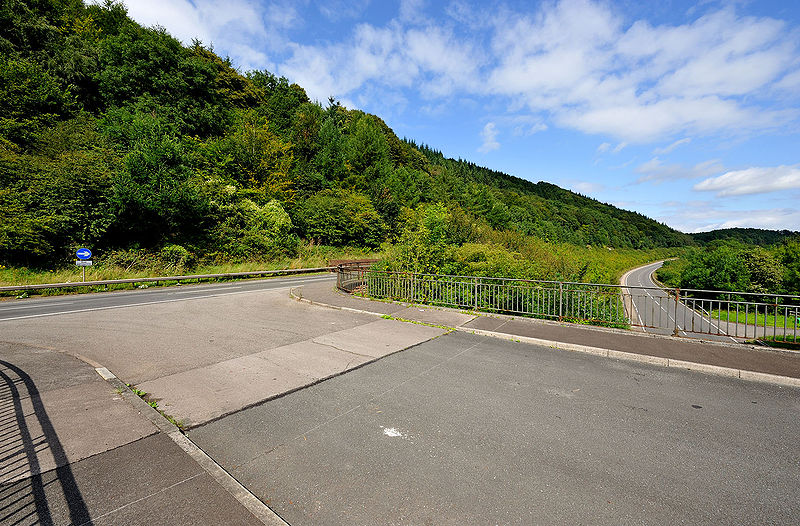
(299, 297)
(259, 510)
(769, 378)
(706, 368)
(537, 341)
(641, 358)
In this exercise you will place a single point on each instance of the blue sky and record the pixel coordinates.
(687, 112)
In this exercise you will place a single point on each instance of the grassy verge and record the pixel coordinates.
(759, 319)
(780, 341)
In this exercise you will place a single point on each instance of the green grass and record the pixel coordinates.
(780, 341)
(751, 318)
(180, 424)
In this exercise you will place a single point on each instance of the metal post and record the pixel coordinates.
(477, 286)
(677, 300)
(560, 301)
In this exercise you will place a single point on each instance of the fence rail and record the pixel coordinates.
(736, 315)
(228, 275)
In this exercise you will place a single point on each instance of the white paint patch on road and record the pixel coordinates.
(391, 432)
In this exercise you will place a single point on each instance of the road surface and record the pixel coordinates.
(466, 429)
(653, 310)
(37, 307)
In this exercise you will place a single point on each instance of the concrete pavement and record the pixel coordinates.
(75, 451)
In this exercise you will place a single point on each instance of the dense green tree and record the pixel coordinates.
(154, 198)
(789, 255)
(340, 217)
(764, 270)
(118, 136)
(721, 268)
(30, 99)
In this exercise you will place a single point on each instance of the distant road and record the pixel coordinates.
(654, 311)
(53, 306)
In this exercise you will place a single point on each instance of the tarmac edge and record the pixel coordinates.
(260, 510)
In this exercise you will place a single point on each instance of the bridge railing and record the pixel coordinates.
(672, 311)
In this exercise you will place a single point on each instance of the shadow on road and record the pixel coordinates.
(26, 435)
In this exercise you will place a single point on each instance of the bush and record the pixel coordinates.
(177, 258)
(251, 230)
(340, 217)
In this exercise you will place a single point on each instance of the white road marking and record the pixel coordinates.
(92, 309)
(4, 308)
(692, 311)
(206, 290)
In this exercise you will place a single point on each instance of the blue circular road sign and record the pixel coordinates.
(83, 253)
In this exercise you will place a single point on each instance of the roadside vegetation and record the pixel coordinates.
(143, 263)
(760, 320)
(728, 264)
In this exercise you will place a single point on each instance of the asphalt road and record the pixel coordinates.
(654, 311)
(20, 309)
(472, 430)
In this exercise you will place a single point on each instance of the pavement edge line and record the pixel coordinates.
(260, 510)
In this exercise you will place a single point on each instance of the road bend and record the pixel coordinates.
(20, 309)
(654, 311)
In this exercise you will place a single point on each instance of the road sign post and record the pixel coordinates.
(83, 254)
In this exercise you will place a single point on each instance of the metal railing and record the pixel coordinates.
(164, 279)
(736, 315)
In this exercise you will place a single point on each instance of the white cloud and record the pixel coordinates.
(671, 147)
(618, 148)
(754, 180)
(790, 82)
(656, 170)
(587, 187)
(702, 216)
(576, 60)
(412, 10)
(489, 136)
(430, 58)
(243, 28)
(603, 148)
(577, 64)
(770, 219)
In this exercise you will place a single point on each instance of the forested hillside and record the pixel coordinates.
(747, 236)
(117, 137)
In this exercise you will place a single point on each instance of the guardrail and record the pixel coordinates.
(737, 315)
(228, 275)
